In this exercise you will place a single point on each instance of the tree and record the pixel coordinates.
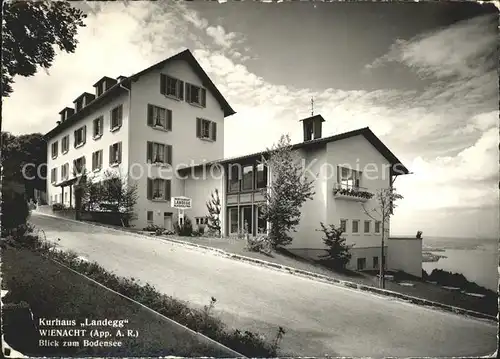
(287, 193)
(338, 252)
(30, 33)
(214, 210)
(24, 160)
(385, 198)
(113, 193)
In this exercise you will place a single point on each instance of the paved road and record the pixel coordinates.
(319, 318)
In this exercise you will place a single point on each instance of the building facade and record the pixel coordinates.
(163, 128)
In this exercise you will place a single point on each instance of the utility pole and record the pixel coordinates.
(312, 106)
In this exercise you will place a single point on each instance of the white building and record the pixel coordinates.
(167, 123)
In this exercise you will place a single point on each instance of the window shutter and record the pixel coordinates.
(169, 120)
(214, 131)
(338, 174)
(120, 115)
(83, 165)
(84, 134)
(119, 152)
(188, 92)
(198, 127)
(74, 142)
(101, 124)
(168, 154)
(149, 152)
(167, 190)
(181, 90)
(110, 154)
(94, 161)
(203, 97)
(163, 84)
(150, 188)
(150, 115)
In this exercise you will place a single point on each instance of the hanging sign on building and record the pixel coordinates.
(181, 202)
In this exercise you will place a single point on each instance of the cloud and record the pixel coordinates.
(220, 36)
(461, 50)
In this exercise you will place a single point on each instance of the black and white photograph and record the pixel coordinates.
(250, 179)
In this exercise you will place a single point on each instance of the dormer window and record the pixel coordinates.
(196, 95)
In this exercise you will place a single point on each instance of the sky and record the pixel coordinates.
(421, 75)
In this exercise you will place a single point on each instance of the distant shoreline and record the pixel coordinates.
(428, 256)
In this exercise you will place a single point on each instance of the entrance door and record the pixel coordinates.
(246, 219)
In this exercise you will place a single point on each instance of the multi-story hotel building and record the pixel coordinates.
(164, 127)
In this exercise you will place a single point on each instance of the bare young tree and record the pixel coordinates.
(386, 198)
(214, 210)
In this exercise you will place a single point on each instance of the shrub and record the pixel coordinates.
(201, 230)
(58, 207)
(259, 244)
(151, 228)
(15, 211)
(338, 251)
(185, 229)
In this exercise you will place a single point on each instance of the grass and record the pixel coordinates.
(247, 343)
(52, 291)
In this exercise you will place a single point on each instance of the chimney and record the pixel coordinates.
(312, 127)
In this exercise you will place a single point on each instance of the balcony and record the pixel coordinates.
(351, 193)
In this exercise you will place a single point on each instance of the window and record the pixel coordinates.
(159, 153)
(201, 220)
(53, 175)
(361, 263)
(196, 95)
(367, 226)
(233, 220)
(116, 117)
(172, 87)
(159, 117)
(206, 129)
(158, 189)
(80, 136)
(375, 262)
(261, 176)
(348, 178)
(343, 225)
(355, 226)
(65, 171)
(247, 180)
(377, 226)
(150, 216)
(79, 166)
(233, 178)
(115, 153)
(97, 132)
(54, 148)
(97, 160)
(261, 222)
(65, 144)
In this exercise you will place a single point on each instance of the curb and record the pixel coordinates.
(197, 334)
(311, 275)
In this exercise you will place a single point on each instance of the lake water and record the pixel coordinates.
(476, 259)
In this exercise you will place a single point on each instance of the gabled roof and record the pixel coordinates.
(396, 165)
(187, 56)
(118, 87)
(83, 95)
(102, 79)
